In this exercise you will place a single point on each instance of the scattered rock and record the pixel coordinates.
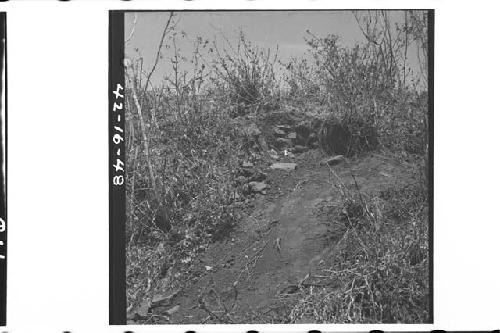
(284, 128)
(162, 300)
(229, 262)
(333, 160)
(279, 132)
(173, 310)
(274, 155)
(257, 187)
(158, 300)
(298, 149)
(282, 142)
(247, 165)
(284, 166)
(292, 136)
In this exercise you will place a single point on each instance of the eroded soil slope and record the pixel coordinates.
(287, 236)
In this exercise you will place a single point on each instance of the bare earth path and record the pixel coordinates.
(285, 238)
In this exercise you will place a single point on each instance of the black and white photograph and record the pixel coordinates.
(271, 167)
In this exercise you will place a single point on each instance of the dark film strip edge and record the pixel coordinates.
(3, 177)
(430, 89)
(117, 291)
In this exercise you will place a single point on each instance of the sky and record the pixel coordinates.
(287, 29)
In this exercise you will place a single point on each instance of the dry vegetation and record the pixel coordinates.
(187, 137)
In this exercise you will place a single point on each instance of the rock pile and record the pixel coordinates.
(295, 139)
(251, 180)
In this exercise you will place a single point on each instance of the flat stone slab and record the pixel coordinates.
(257, 186)
(279, 132)
(283, 142)
(284, 166)
(285, 128)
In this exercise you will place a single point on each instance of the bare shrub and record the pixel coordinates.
(303, 87)
(245, 75)
(367, 87)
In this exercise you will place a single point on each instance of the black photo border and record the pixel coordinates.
(117, 285)
(3, 176)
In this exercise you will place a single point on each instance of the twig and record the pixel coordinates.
(254, 259)
(357, 236)
(145, 141)
(159, 50)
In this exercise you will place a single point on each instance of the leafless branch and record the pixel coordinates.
(159, 50)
